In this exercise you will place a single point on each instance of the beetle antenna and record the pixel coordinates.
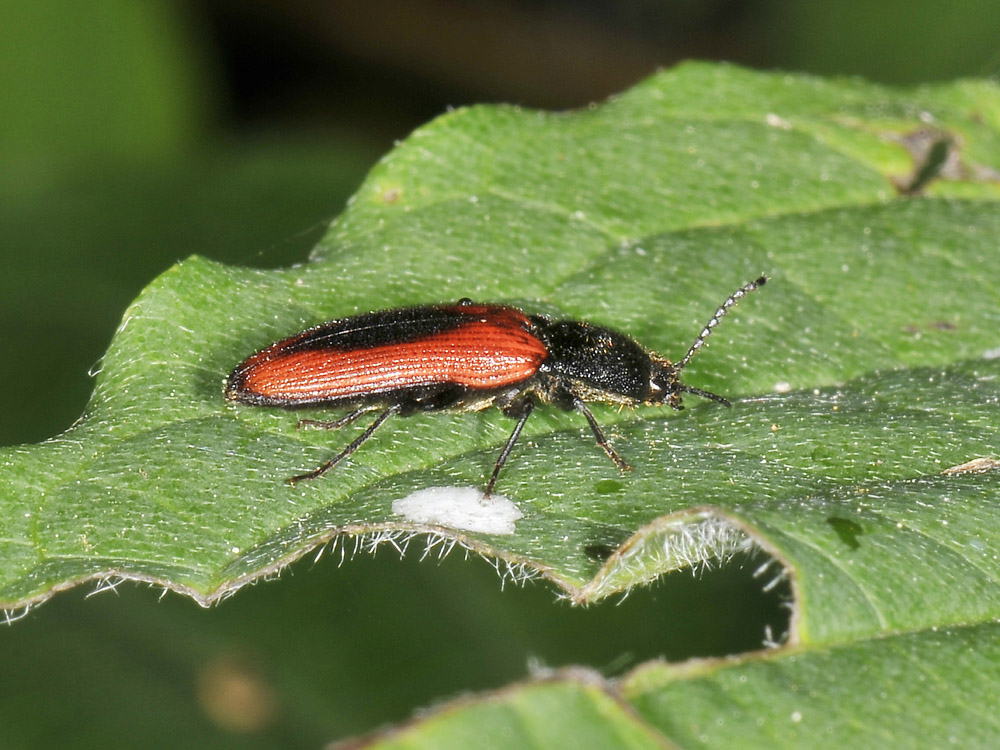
(731, 300)
(704, 394)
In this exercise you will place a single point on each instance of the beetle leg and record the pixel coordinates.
(335, 424)
(602, 441)
(521, 410)
(358, 442)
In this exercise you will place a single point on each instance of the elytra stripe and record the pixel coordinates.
(477, 354)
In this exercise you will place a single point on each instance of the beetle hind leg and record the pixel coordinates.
(336, 424)
(357, 443)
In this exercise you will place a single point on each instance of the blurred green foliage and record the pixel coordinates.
(110, 172)
(104, 82)
(893, 41)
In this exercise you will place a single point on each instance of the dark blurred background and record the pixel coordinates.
(134, 133)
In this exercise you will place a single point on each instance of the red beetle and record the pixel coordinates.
(466, 357)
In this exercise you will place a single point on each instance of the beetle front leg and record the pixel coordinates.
(602, 441)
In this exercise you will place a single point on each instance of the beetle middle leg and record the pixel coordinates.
(520, 409)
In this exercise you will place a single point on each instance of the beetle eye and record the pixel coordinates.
(658, 390)
(661, 385)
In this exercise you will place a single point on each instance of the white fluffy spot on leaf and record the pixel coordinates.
(459, 508)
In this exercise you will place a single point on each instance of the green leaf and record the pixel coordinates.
(913, 690)
(864, 371)
(926, 689)
(576, 712)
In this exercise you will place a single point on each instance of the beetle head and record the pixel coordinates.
(666, 388)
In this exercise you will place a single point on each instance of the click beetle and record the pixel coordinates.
(467, 357)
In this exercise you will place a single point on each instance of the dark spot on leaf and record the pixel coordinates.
(937, 154)
(599, 551)
(609, 486)
(934, 325)
(603, 540)
(932, 151)
(848, 531)
(391, 195)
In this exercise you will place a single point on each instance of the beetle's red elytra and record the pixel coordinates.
(478, 347)
(465, 357)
